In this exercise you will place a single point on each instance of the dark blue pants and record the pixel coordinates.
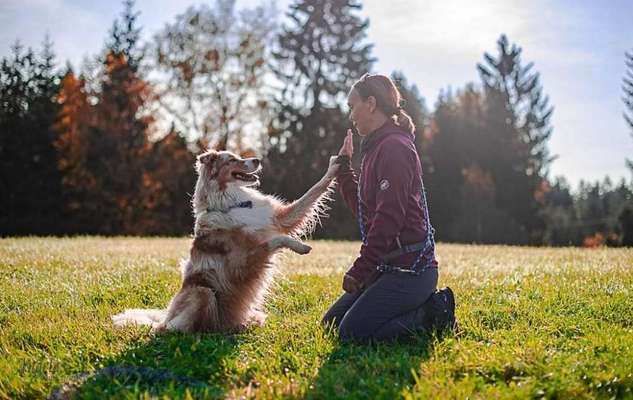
(389, 308)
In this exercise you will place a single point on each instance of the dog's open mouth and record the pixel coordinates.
(243, 176)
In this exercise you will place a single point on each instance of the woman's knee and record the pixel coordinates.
(349, 329)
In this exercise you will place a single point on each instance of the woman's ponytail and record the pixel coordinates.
(404, 121)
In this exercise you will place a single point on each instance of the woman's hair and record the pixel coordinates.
(387, 97)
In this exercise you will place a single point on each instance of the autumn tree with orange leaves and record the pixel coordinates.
(117, 180)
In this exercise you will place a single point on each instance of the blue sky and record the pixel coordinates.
(577, 46)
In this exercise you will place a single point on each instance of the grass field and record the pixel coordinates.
(535, 323)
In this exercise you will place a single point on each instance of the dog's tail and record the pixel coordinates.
(139, 317)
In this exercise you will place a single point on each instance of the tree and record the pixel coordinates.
(518, 127)
(29, 181)
(626, 221)
(627, 86)
(415, 106)
(559, 214)
(103, 146)
(81, 194)
(168, 182)
(213, 62)
(318, 55)
(462, 191)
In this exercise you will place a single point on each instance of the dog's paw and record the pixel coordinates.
(289, 243)
(158, 329)
(257, 318)
(333, 168)
(300, 248)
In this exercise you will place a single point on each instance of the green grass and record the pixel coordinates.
(535, 322)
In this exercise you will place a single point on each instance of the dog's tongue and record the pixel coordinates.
(245, 177)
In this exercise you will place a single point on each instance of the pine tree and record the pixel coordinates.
(121, 128)
(518, 128)
(28, 107)
(125, 36)
(415, 106)
(317, 58)
(103, 146)
(627, 86)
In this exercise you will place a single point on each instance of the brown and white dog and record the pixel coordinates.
(237, 231)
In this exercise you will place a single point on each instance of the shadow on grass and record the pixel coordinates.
(374, 371)
(165, 365)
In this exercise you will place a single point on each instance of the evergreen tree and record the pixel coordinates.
(103, 146)
(415, 106)
(125, 36)
(462, 191)
(626, 222)
(627, 86)
(318, 56)
(29, 181)
(518, 128)
(558, 212)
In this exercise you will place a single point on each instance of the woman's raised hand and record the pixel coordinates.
(347, 149)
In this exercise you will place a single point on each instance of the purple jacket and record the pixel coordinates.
(390, 194)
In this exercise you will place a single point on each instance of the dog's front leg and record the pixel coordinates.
(258, 257)
(262, 251)
(300, 216)
(286, 242)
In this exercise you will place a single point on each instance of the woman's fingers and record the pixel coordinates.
(347, 147)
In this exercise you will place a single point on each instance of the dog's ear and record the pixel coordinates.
(208, 157)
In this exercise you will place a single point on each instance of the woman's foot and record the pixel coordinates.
(440, 311)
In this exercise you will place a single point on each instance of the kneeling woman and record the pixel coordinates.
(390, 290)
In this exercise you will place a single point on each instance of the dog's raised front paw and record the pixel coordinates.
(301, 248)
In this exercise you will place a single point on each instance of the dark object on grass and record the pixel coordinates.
(149, 376)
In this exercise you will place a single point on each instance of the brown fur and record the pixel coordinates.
(224, 279)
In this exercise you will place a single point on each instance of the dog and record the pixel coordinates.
(237, 231)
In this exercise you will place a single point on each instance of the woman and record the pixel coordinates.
(390, 290)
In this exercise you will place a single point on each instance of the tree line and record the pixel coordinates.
(110, 149)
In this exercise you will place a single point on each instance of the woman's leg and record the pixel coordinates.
(337, 311)
(390, 307)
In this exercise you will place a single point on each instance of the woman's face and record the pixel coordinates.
(360, 112)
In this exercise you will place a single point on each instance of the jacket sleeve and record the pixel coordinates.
(348, 184)
(395, 170)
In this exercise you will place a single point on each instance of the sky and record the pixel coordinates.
(576, 46)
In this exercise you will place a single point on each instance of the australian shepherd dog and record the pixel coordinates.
(237, 231)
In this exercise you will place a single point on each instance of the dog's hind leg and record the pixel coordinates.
(193, 309)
